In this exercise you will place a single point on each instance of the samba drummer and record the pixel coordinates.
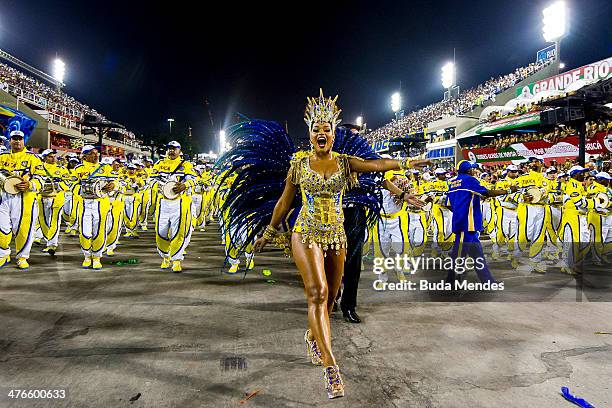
(532, 216)
(71, 203)
(132, 199)
(175, 178)
(92, 188)
(18, 207)
(600, 217)
(51, 202)
(114, 223)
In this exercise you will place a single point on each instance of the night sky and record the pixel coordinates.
(140, 64)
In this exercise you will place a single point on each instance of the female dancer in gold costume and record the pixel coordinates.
(318, 241)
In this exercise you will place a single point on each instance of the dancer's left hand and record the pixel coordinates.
(414, 200)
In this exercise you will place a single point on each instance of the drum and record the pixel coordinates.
(537, 195)
(49, 189)
(92, 188)
(602, 201)
(557, 199)
(131, 189)
(9, 183)
(168, 192)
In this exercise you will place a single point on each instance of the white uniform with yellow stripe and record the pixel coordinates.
(93, 213)
(51, 202)
(18, 212)
(532, 219)
(173, 217)
(574, 223)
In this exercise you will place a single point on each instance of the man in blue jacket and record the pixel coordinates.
(464, 194)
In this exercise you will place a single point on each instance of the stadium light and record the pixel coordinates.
(170, 120)
(561, 65)
(555, 21)
(448, 75)
(59, 70)
(396, 102)
(359, 121)
(221, 141)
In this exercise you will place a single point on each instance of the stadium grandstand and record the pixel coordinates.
(58, 114)
(467, 101)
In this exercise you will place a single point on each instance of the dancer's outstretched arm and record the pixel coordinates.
(381, 165)
(280, 211)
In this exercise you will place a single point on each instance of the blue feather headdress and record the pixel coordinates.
(258, 163)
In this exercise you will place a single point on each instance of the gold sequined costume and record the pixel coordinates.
(321, 219)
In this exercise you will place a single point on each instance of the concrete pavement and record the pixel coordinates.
(207, 339)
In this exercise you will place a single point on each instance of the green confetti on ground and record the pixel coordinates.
(266, 272)
(271, 281)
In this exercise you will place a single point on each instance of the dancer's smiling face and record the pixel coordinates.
(322, 137)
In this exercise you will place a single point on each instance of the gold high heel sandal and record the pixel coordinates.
(313, 350)
(333, 382)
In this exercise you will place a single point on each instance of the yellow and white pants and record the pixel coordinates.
(132, 205)
(390, 234)
(72, 202)
(576, 237)
(114, 222)
(506, 232)
(532, 223)
(600, 227)
(93, 215)
(197, 210)
(146, 200)
(18, 215)
(442, 227)
(173, 226)
(50, 211)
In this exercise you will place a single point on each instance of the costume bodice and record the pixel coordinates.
(321, 219)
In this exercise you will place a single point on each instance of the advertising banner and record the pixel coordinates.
(589, 73)
(564, 148)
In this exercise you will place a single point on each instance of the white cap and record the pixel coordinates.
(603, 175)
(439, 170)
(87, 148)
(512, 167)
(16, 133)
(414, 171)
(131, 166)
(47, 152)
(174, 143)
(137, 162)
(576, 169)
(108, 160)
(551, 169)
(562, 174)
(483, 174)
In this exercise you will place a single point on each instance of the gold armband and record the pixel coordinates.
(404, 163)
(269, 233)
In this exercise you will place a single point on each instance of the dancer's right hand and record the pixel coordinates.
(259, 244)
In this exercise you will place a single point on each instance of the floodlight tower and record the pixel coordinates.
(448, 78)
(554, 26)
(59, 71)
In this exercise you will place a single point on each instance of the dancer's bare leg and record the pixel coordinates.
(311, 265)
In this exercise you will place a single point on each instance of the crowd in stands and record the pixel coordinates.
(520, 109)
(553, 136)
(467, 101)
(50, 98)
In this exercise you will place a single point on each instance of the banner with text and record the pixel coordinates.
(564, 148)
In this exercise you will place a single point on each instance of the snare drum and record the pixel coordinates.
(49, 189)
(10, 184)
(536, 194)
(92, 188)
(602, 201)
(168, 190)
